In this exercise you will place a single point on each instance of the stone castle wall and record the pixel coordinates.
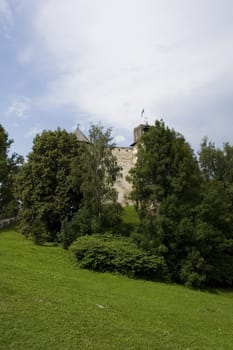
(125, 159)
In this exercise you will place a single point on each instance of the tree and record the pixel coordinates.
(45, 185)
(96, 173)
(166, 188)
(214, 222)
(8, 168)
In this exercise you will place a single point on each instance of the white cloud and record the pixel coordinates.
(26, 55)
(5, 10)
(33, 132)
(19, 107)
(6, 18)
(106, 60)
(119, 139)
(113, 58)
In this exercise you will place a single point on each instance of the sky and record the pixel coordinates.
(69, 62)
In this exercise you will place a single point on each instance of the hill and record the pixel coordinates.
(46, 302)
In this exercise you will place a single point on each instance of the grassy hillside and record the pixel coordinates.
(48, 303)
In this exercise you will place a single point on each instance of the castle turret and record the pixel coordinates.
(80, 136)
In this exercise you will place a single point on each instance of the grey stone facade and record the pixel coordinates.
(125, 160)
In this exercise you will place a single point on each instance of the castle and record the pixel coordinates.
(126, 159)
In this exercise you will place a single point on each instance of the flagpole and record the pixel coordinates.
(142, 113)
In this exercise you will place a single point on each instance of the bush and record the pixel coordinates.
(38, 231)
(84, 223)
(69, 231)
(194, 269)
(117, 254)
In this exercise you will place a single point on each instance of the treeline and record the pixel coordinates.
(185, 202)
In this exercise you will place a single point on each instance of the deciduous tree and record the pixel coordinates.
(45, 184)
(96, 173)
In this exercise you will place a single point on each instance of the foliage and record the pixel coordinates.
(45, 184)
(95, 172)
(82, 223)
(166, 188)
(186, 210)
(165, 166)
(214, 221)
(193, 270)
(38, 231)
(8, 168)
(104, 252)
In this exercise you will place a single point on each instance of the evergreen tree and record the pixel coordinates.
(166, 188)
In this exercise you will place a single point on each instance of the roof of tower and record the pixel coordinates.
(80, 136)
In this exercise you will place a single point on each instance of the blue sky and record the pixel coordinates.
(69, 62)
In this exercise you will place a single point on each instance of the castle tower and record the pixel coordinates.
(139, 131)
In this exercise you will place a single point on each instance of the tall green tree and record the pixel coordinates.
(166, 188)
(214, 222)
(8, 168)
(96, 173)
(45, 185)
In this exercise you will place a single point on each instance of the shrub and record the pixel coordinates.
(38, 231)
(117, 254)
(69, 231)
(83, 223)
(193, 269)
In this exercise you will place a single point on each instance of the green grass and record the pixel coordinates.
(130, 216)
(46, 302)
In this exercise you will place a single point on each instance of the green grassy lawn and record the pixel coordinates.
(46, 302)
(130, 216)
